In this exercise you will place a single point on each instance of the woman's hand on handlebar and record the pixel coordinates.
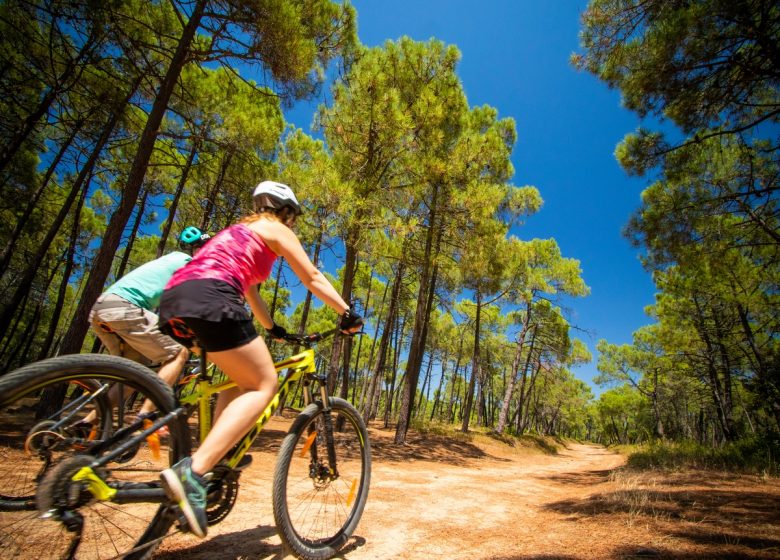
(277, 332)
(351, 322)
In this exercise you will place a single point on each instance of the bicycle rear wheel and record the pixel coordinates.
(44, 441)
(319, 493)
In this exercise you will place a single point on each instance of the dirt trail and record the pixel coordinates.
(438, 498)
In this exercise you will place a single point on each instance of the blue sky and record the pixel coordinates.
(515, 57)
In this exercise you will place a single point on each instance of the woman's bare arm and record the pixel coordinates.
(285, 243)
(259, 308)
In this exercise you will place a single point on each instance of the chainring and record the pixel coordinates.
(222, 493)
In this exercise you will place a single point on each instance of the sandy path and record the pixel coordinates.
(440, 498)
(494, 508)
(433, 499)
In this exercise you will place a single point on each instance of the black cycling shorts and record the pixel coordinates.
(206, 313)
(212, 336)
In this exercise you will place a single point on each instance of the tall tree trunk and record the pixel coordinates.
(512, 380)
(437, 395)
(43, 247)
(208, 211)
(768, 383)
(399, 329)
(342, 346)
(426, 381)
(419, 338)
(525, 386)
(185, 173)
(659, 425)
(450, 409)
(370, 386)
(133, 235)
(101, 266)
(27, 334)
(421, 320)
(356, 365)
(475, 368)
(350, 263)
(530, 394)
(30, 336)
(275, 297)
(719, 400)
(9, 336)
(69, 263)
(307, 302)
(31, 324)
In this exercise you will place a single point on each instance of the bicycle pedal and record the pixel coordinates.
(181, 521)
(245, 461)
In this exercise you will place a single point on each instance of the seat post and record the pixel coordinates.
(204, 365)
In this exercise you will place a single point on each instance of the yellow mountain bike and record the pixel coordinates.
(71, 489)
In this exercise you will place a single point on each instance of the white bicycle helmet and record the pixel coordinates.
(275, 196)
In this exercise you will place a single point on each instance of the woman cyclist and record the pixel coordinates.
(203, 306)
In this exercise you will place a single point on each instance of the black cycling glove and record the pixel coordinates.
(350, 320)
(277, 332)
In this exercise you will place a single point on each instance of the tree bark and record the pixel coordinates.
(35, 262)
(133, 234)
(503, 416)
(185, 173)
(422, 317)
(74, 338)
(63, 289)
(475, 368)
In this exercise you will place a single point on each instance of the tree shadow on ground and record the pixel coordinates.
(704, 515)
(585, 478)
(647, 553)
(722, 507)
(268, 439)
(638, 553)
(250, 543)
(536, 557)
(428, 447)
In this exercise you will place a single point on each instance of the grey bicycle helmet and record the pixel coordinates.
(270, 195)
(192, 238)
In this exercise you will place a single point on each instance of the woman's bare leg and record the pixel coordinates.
(224, 398)
(251, 367)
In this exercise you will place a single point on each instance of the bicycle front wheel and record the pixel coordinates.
(56, 418)
(321, 480)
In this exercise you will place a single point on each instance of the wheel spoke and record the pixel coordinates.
(317, 505)
(39, 461)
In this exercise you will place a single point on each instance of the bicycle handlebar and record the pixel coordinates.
(309, 339)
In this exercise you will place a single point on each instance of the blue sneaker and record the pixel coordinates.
(188, 490)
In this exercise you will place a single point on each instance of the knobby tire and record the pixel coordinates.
(44, 458)
(316, 515)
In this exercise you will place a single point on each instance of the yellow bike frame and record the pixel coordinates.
(299, 366)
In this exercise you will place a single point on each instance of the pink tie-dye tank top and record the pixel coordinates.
(235, 255)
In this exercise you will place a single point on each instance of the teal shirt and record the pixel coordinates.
(144, 285)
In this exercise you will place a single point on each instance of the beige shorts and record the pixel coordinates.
(131, 331)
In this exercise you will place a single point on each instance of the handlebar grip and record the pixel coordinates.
(309, 338)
